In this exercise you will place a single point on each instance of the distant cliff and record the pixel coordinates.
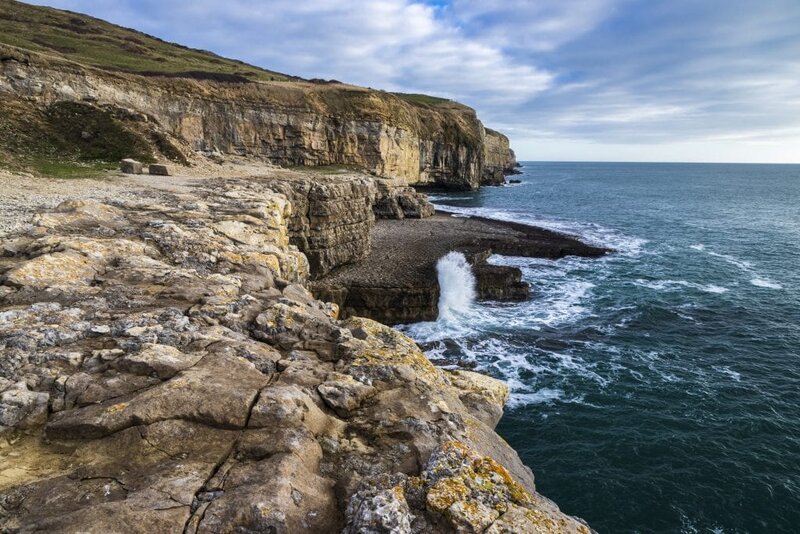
(499, 159)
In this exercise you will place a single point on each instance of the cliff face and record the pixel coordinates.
(332, 217)
(285, 122)
(164, 367)
(499, 159)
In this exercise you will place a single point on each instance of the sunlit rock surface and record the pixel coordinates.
(164, 369)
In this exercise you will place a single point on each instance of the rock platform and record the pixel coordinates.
(397, 281)
(165, 369)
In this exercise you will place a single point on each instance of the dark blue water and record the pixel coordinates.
(657, 389)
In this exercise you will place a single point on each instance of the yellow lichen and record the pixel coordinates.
(117, 407)
(446, 492)
(490, 469)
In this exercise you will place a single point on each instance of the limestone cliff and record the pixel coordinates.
(499, 159)
(285, 122)
(164, 370)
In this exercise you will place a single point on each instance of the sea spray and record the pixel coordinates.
(456, 286)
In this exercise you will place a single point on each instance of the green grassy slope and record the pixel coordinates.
(97, 43)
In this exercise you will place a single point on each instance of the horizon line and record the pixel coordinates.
(662, 162)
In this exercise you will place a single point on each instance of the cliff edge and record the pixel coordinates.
(164, 369)
(68, 80)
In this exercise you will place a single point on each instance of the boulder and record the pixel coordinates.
(130, 166)
(158, 169)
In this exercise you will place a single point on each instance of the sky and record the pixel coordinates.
(566, 80)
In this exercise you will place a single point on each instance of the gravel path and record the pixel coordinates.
(22, 195)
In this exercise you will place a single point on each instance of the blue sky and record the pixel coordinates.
(598, 80)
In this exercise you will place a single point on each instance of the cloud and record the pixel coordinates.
(632, 76)
(530, 26)
(391, 44)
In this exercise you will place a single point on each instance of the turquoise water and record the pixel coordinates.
(657, 389)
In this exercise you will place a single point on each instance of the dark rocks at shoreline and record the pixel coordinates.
(397, 281)
(498, 282)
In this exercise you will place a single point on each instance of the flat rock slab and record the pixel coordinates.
(405, 252)
(397, 281)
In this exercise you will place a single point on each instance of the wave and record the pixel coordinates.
(675, 285)
(745, 266)
(456, 286)
(761, 282)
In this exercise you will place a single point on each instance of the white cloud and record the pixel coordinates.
(534, 26)
(391, 44)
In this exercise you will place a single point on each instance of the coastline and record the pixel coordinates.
(396, 281)
(128, 326)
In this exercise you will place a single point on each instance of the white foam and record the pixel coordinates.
(736, 377)
(456, 285)
(675, 285)
(761, 282)
(733, 260)
(590, 232)
(543, 396)
(711, 288)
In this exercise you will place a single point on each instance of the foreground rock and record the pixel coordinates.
(164, 369)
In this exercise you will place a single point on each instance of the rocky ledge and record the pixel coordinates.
(396, 282)
(164, 369)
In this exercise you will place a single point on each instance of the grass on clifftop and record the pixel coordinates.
(93, 42)
(415, 98)
(71, 139)
(329, 169)
(68, 169)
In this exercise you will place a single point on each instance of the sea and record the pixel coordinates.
(656, 389)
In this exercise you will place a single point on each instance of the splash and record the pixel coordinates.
(456, 285)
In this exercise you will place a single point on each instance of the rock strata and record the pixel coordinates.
(332, 216)
(290, 123)
(499, 159)
(164, 369)
(396, 200)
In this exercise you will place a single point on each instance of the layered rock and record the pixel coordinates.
(499, 160)
(396, 200)
(286, 122)
(332, 216)
(164, 369)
